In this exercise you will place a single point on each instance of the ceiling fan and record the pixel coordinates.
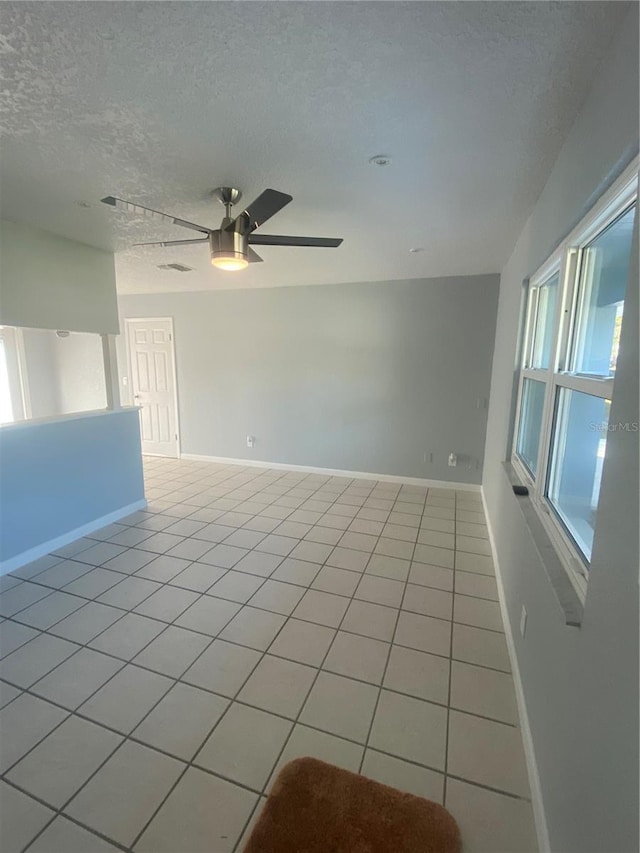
(231, 243)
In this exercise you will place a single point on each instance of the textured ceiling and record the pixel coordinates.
(160, 102)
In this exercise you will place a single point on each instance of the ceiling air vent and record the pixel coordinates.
(176, 267)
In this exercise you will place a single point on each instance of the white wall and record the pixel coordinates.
(361, 377)
(580, 685)
(49, 282)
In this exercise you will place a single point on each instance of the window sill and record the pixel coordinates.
(566, 595)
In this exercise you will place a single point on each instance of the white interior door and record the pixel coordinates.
(153, 383)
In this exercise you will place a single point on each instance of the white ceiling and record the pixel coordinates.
(160, 102)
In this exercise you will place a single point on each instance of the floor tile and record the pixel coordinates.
(428, 601)
(236, 586)
(313, 552)
(129, 561)
(13, 635)
(254, 628)
(325, 535)
(185, 527)
(437, 577)
(181, 721)
(410, 728)
(167, 603)
(484, 692)
(20, 597)
(223, 556)
(202, 814)
(277, 596)
(485, 648)
(490, 822)
(275, 544)
(418, 674)
(370, 620)
(437, 538)
(434, 556)
(173, 651)
(478, 563)
(335, 522)
(304, 642)
(35, 659)
(357, 657)
(124, 794)
(473, 545)
(476, 531)
(8, 693)
(340, 706)
(337, 581)
(394, 548)
(126, 698)
(94, 583)
(198, 577)
(64, 836)
(209, 615)
(223, 668)
(443, 524)
(23, 723)
(71, 683)
(215, 533)
(22, 818)
(364, 525)
(162, 568)
(246, 539)
(348, 558)
(160, 543)
(380, 590)
(129, 537)
(304, 741)
(259, 563)
(424, 633)
(486, 752)
(472, 517)
(477, 612)
(480, 586)
(75, 547)
(46, 612)
(125, 638)
(293, 529)
(388, 567)
(36, 567)
(245, 745)
(63, 573)
(56, 769)
(322, 607)
(98, 554)
(402, 775)
(278, 685)
(296, 571)
(358, 541)
(130, 592)
(189, 549)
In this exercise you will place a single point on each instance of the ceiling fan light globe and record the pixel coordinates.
(229, 261)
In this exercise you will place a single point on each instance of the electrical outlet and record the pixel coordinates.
(523, 621)
(251, 440)
(453, 460)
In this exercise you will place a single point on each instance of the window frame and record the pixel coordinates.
(566, 262)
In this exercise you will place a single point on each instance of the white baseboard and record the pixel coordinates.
(334, 472)
(47, 547)
(537, 802)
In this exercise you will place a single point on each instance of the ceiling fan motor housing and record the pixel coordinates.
(229, 248)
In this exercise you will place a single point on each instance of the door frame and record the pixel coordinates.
(127, 324)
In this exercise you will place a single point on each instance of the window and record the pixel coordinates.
(575, 308)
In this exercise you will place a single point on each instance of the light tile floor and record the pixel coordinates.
(156, 674)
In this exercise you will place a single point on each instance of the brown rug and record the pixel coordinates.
(317, 808)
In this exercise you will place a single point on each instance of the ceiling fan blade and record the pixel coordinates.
(264, 207)
(175, 242)
(139, 210)
(253, 257)
(277, 240)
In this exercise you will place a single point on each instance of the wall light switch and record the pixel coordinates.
(523, 621)
(251, 440)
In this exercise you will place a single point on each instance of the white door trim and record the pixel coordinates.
(127, 322)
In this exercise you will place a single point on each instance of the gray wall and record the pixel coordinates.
(580, 685)
(363, 377)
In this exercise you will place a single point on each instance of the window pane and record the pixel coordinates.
(577, 457)
(544, 322)
(603, 280)
(530, 423)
